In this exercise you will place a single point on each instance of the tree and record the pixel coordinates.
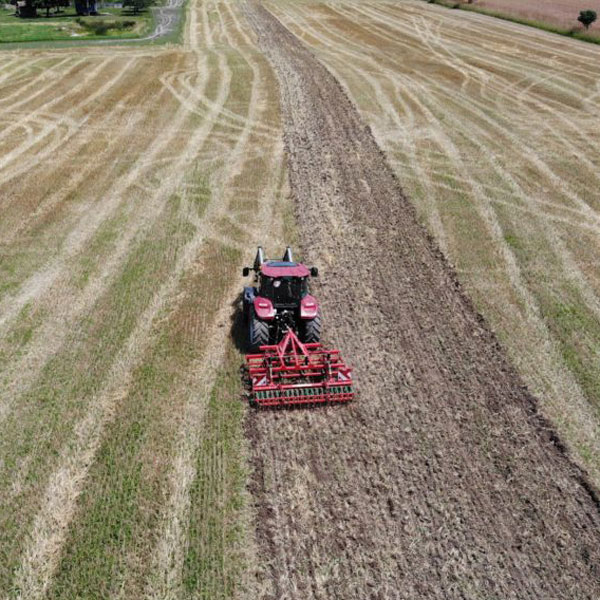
(587, 17)
(27, 9)
(137, 5)
(85, 7)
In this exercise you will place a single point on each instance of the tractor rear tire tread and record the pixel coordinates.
(258, 333)
(311, 330)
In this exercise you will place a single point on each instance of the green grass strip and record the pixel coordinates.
(111, 544)
(120, 504)
(573, 325)
(66, 27)
(214, 562)
(34, 434)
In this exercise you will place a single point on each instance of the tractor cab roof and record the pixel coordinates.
(280, 268)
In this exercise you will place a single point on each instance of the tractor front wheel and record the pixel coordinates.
(258, 332)
(311, 330)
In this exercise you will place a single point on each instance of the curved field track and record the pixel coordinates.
(442, 481)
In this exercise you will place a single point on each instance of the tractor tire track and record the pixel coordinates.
(151, 211)
(435, 483)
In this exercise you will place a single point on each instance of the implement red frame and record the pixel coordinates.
(292, 373)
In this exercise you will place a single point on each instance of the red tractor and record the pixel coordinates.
(281, 302)
(288, 366)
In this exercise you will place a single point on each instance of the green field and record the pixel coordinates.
(67, 26)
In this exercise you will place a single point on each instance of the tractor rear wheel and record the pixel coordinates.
(311, 330)
(258, 332)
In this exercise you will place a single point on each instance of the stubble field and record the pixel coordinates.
(131, 180)
(135, 182)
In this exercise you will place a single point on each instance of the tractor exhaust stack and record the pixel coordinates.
(259, 259)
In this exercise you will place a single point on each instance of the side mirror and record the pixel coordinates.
(246, 271)
(314, 272)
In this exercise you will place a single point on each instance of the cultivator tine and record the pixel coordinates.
(295, 374)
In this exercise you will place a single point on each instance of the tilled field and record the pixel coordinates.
(491, 129)
(442, 480)
(563, 13)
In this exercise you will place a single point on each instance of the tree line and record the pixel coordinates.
(29, 8)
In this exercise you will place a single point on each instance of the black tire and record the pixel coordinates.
(311, 330)
(258, 332)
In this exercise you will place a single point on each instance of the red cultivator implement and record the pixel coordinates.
(288, 365)
(292, 373)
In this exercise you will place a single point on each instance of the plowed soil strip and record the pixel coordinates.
(442, 480)
(462, 131)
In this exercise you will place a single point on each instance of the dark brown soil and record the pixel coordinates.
(441, 480)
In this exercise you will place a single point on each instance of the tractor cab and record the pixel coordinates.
(285, 283)
(280, 300)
